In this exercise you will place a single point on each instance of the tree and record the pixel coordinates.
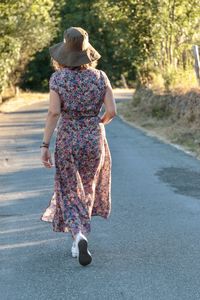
(25, 27)
(134, 37)
(176, 31)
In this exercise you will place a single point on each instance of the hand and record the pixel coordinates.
(46, 157)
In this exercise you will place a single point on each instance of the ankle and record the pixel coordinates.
(75, 235)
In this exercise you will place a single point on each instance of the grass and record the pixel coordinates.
(173, 116)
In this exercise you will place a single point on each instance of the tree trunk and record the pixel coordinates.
(184, 59)
(195, 49)
(124, 81)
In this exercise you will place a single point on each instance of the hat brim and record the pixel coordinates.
(64, 56)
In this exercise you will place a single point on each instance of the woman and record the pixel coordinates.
(82, 182)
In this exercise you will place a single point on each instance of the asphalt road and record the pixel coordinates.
(149, 248)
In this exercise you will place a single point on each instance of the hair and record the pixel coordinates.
(58, 66)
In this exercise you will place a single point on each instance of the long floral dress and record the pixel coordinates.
(82, 181)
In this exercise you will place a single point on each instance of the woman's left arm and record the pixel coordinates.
(50, 125)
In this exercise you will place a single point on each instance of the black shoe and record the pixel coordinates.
(84, 255)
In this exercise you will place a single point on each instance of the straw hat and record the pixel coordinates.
(75, 50)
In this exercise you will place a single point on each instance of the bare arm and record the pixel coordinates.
(51, 121)
(52, 116)
(110, 106)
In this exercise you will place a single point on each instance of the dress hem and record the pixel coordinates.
(106, 217)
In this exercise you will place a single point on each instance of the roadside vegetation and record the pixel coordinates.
(173, 115)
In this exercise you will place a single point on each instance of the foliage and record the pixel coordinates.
(136, 38)
(21, 35)
(175, 33)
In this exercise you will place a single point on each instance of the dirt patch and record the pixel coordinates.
(21, 100)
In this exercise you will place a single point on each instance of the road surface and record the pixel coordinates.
(148, 249)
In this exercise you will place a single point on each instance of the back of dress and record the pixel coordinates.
(81, 91)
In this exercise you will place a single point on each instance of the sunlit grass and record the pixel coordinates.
(178, 80)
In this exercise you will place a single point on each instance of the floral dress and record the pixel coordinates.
(82, 181)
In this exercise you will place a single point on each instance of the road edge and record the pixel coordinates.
(163, 139)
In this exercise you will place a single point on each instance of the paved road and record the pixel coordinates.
(149, 248)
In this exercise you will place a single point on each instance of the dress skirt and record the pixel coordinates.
(82, 181)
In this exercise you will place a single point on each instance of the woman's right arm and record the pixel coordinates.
(110, 106)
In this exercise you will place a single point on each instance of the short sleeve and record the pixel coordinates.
(106, 79)
(53, 82)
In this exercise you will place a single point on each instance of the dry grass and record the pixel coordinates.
(174, 116)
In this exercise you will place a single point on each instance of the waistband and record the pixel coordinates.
(68, 117)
